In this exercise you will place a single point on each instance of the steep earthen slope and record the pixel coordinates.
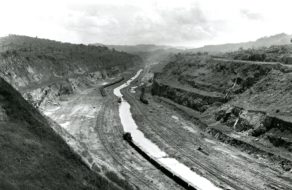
(33, 156)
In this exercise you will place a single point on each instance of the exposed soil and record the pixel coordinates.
(33, 155)
(93, 121)
(229, 121)
(239, 103)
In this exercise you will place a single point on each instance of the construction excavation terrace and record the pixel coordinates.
(144, 117)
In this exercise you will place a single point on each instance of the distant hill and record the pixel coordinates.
(278, 39)
(159, 52)
(143, 48)
(150, 53)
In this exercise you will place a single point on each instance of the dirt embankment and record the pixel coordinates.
(56, 91)
(193, 99)
(247, 100)
(33, 156)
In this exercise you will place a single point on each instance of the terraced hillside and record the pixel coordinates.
(242, 103)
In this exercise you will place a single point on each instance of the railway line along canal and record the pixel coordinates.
(152, 150)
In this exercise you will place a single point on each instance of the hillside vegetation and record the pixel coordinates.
(266, 54)
(33, 156)
(26, 61)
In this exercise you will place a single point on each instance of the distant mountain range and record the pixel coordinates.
(141, 48)
(148, 52)
(278, 39)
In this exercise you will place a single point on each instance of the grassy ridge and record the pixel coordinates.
(28, 61)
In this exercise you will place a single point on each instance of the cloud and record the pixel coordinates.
(173, 22)
(250, 15)
(112, 24)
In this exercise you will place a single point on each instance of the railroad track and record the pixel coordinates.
(268, 179)
(130, 170)
(103, 87)
(211, 171)
(186, 155)
(273, 182)
(217, 174)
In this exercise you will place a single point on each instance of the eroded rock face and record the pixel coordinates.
(238, 119)
(252, 98)
(257, 124)
(54, 92)
(191, 99)
(201, 81)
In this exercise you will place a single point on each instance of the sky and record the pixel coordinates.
(190, 23)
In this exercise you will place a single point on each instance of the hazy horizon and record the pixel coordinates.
(183, 23)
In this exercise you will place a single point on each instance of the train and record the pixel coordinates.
(142, 96)
(128, 137)
(143, 100)
(102, 88)
(102, 91)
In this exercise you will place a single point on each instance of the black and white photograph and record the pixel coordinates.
(145, 95)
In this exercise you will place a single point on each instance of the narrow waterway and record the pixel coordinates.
(153, 150)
